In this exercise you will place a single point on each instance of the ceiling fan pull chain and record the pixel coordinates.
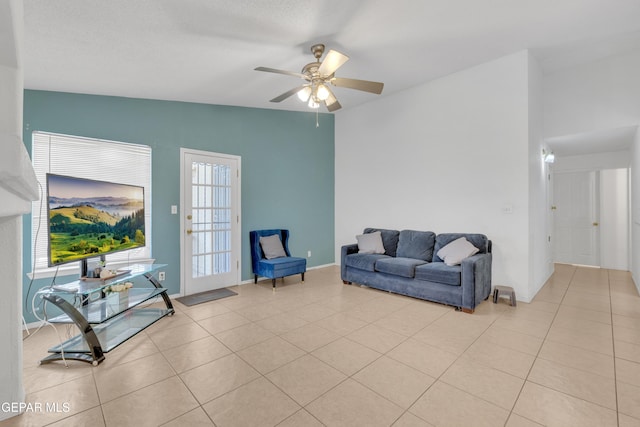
(317, 124)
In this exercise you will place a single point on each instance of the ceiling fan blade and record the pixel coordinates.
(365, 85)
(332, 62)
(288, 94)
(287, 73)
(333, 106)
(331, 102)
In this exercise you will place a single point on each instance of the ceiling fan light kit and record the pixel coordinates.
(322, 92)
(304, 93)
(319, 75)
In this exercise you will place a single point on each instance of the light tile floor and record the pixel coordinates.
(322, 353)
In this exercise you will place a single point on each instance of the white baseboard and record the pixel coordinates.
(322, 266)
(244, 282)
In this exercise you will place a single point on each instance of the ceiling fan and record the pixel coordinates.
(319, 76)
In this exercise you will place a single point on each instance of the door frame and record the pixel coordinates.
(610, 226)
(550, 237)
(237, 241)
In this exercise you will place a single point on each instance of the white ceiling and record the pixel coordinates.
(205, 50)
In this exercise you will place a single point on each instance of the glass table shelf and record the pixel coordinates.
(105, 319)
(102, 310)
(116, 331)
(90, 286)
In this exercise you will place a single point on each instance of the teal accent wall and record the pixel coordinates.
(287, 165)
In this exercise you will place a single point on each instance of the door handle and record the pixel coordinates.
(189, 231)
(595, 224)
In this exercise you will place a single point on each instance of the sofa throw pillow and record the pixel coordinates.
(370, 243)
(456, 251)
(389, 239)
(272, 247)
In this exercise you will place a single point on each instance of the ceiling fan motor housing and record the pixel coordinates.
(317, 50)
(311, 69)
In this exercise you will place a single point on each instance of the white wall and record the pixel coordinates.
(597, 161)
(445, 156)
(540, 254)
(635, 210)
(11, 87)
(595, 96)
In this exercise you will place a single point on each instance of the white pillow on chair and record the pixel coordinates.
(272, 247)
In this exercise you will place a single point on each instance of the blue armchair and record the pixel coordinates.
(275, 267)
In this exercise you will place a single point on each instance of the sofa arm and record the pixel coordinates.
(346, 250)
(476, 279)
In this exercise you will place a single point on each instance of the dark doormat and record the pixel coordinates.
(207, 296)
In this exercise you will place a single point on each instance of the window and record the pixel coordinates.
(93, 159)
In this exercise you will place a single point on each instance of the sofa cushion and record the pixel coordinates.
(416, 244)
(389, 239)
(370, 243)
(480, 241)
(439, 272)
(283, 266)
(404, 267)
(365, 262)
(456, 251)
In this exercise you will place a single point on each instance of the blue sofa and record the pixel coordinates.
(410, 266)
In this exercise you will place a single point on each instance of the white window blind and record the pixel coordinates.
(89, 158)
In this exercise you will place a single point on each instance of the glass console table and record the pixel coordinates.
(105, 319)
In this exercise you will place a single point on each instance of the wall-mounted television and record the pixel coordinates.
(90, 218)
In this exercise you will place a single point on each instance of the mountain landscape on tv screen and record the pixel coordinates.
(116, 206)
(81, 227)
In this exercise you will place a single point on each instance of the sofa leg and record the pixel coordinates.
(303, 277)
(255, 279)
(467, 310)
(346, 282)
(273, 283)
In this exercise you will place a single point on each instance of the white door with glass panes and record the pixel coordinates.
(210, 221)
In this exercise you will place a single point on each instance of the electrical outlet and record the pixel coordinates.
(161, 276)
(308, 254)
(174, 209)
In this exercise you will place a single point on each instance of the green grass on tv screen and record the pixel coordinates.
(83, 231)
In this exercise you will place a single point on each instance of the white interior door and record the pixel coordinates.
(576, 218)
(210, 221)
